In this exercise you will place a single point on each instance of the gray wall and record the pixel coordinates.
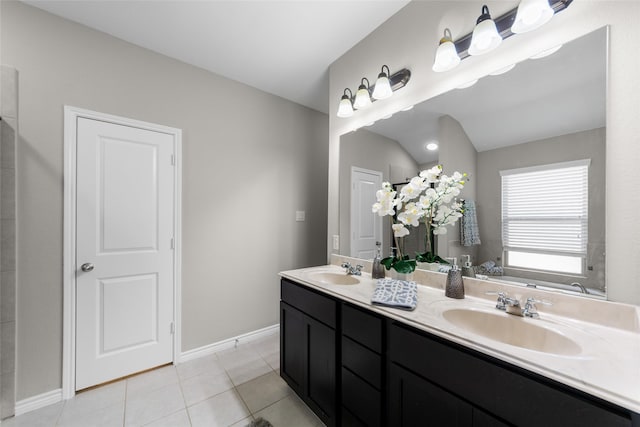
(8, 136)
(581, 145)
(250, 160)
(409, 39)
(456, 153)
(371, 151)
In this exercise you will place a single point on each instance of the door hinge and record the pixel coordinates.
(173, 328)
(173, 245)
(173, 160)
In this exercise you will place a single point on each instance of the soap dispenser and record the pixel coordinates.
(454, 288)
(467, 269)
(377, 269)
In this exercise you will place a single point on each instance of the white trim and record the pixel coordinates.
(228, 343)
(378, 219)
(546, 167)
(40, 401)
(71, 115)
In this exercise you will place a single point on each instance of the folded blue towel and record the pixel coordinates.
(396, 293)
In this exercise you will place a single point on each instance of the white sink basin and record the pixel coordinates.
(512, 330)
(334, 278)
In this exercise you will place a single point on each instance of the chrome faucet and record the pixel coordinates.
(581, 287)
(351, 270)
(513, 305)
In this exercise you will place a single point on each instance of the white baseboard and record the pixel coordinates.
(228, 343)
(40, 401)
(55, 396)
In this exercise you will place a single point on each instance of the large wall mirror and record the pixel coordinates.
(545, 111)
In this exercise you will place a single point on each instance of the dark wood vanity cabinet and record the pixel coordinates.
(362, 367)
(308, 348)
(354, 367)
(444, 378)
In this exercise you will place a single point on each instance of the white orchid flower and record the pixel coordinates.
(399, 230)
(431, 175)
(410, 215)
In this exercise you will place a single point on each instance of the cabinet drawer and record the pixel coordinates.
(361, 399)
(319, 307)
(497, 387)
(365, 328)
(362, 361)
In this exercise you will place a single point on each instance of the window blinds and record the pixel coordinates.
(545, 208)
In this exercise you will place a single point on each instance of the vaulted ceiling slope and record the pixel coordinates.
(281, 47)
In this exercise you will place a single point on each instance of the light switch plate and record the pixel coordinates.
(300, 215)
(336, 242)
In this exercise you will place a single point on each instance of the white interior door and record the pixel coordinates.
(125, 224)
(366, 227)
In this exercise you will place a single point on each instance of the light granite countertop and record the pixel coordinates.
(608, 333)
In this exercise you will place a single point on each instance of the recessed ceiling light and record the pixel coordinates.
(467, 84)
(546, 52)
(502, 70)
(432, 146)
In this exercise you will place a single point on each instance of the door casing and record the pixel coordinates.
(71, 114)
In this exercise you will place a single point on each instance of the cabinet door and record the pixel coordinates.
(414, 401)
(293, 347)
(321, 386)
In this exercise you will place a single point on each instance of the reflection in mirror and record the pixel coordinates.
(541, 114)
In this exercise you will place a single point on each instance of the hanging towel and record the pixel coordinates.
(469, 233)
(396, 293)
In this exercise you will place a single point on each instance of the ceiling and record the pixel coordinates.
(281, 47)
(556, 95)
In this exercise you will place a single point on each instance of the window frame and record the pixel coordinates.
(578, 220)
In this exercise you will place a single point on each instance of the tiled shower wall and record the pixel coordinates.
(8, 138)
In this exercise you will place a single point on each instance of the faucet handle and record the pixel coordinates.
(359, 268)
(345, 265)
(530, 309)
(502, 299)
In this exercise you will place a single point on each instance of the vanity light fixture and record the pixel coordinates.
(446, 55)
(363, 98)
(382, 89)
(409, 108)
(345, 108)
(531, 14)
(546, 53)
(485, 36)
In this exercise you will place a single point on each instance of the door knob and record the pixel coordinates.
(87, 267)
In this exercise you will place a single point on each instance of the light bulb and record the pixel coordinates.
(363, 99)
(446, 55)
(345, 109)
(485, 35)
(531, 14)
(382, 89)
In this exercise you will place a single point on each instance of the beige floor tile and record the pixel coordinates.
(143, 408)
(222, 410)
(263, 391)
(248, 370)
(202, 365)
(199, 388)
(149, 381)
(43, 417)
(289, 411)
(104, 417)
(177, 419)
